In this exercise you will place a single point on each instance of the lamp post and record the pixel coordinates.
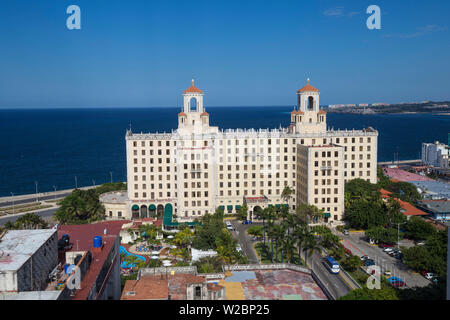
(76, 183)
(37, 196)
(93, 182)
(398, 234)
(110, 173)
(12, 194)
(54, 187)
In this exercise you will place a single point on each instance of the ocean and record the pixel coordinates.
(52, 146)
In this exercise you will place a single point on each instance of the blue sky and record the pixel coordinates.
(144, 53)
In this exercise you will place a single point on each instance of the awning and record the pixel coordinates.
(238, 207)
(222, 207)
(229, 207)
(270, 205)
(152, 207)
(135, 207)
(327, 215)
(278, 205)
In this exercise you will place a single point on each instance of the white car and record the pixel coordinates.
(429, 275)
(387, 249)
(387, 273)
(238, 248)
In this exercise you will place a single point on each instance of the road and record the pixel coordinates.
(244, 240)
(335, 283)
(31, 200)
(357, 244)
(44, 214)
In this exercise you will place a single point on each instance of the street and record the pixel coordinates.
(357, 244)
(45, 214)
(334, 282)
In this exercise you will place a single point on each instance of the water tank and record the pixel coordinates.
(66, 238)
(97, 242)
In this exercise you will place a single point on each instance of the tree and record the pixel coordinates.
(26, 222)
(310, 245)
(382, 234)
(351, 263)
(365, 214)
(286, 194)
(417, 258)
(308, 213)
(242, 212)
(359, 189)
(385, 293)
(256, 231)
(405, 191)
(288, 245)
(418, 229)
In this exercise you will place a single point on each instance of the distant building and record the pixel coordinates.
(436, 154)
(407, 209)
(362, 105)
(438, 209)
(27, 257)
(380, 104)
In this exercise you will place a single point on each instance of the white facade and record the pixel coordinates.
(195, 169)
(436, 154)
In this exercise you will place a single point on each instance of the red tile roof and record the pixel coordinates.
(409, 209)
(308, 87)
(182, 114)
(322, 112)
(81, 238)
(385, 193)
(192, 89)
(205, 114)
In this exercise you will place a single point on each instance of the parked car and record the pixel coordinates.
(363, 258)
(369, 262)
(387, 249)
(398, 284)
(429, 275)
(247, 222)
(238, 248)
(386, 245)
(230, 227)
(387, 273)
(346, 232)
(420, 243)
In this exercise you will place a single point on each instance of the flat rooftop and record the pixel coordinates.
(17, 246)
(440, 206)
(114, 197)
(437, 187)
(281, 284)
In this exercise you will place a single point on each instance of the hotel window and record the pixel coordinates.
(134, 144)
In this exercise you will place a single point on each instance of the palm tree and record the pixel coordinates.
(286, 194)
(288, 244)
(300, 234)
(310, 245)
(277, 234)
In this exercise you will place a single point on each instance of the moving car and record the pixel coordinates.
(247, 222)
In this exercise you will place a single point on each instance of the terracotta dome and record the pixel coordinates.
(192, 89)
(308, 87)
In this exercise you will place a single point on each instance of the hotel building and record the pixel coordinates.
(197, 168)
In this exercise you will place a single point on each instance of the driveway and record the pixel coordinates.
(357, 244)
(244, 240)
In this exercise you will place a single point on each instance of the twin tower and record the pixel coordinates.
(305, 118)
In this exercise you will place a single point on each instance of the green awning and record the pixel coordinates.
(278, 205)
(238, 207)
(229, 207)
(135, 207)
(222, 207)
(152, 207)
(270, 205)
(286, 205)
(327, 215)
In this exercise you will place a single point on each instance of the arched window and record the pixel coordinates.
(310, 103)
(193, 104)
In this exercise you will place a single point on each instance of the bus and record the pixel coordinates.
(332, 265)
